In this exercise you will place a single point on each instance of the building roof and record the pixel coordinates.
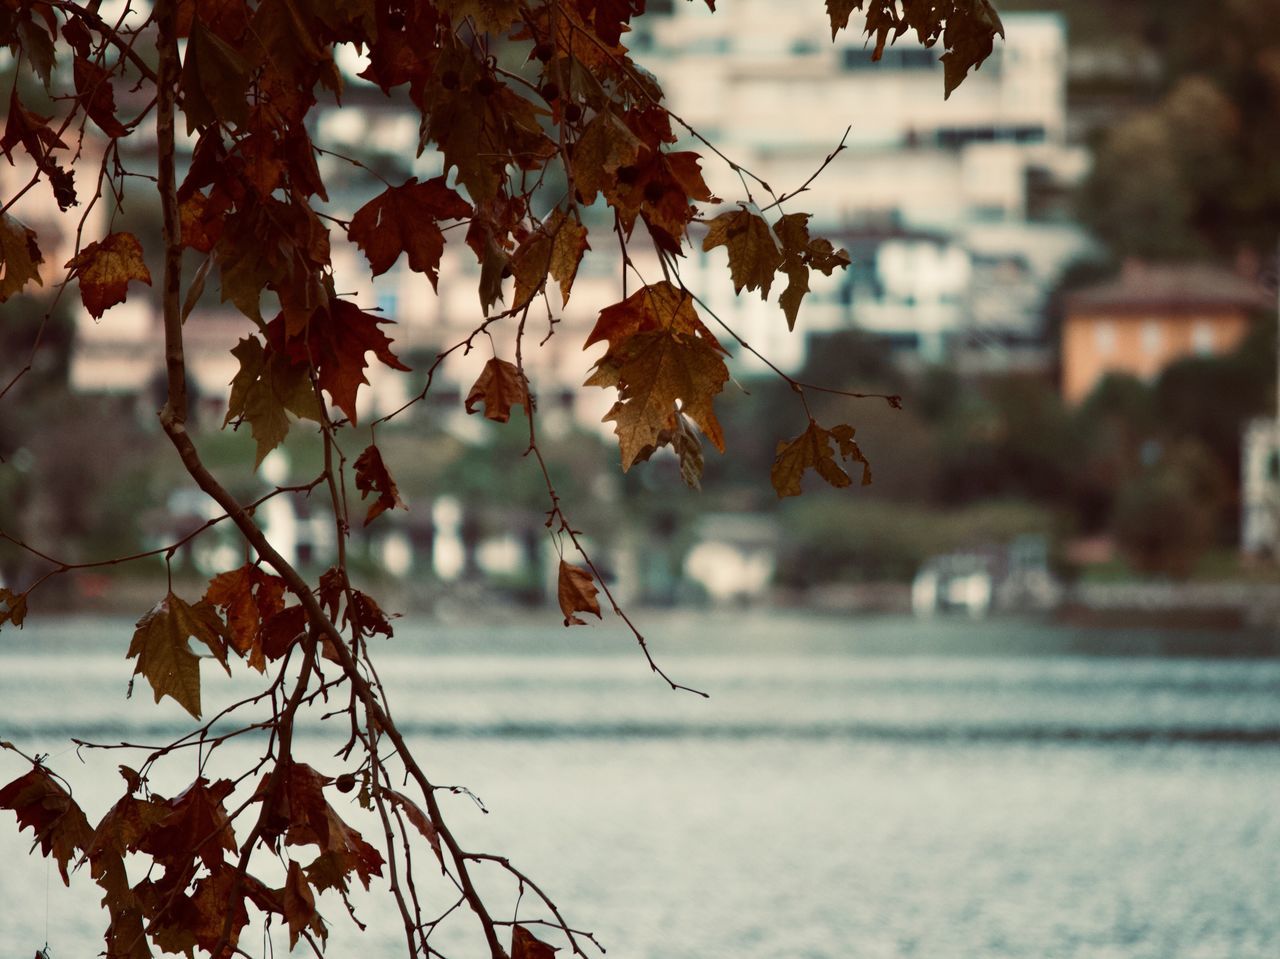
(1170, 286)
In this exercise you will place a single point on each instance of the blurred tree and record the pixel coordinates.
(1165, 519)
(1197, 173)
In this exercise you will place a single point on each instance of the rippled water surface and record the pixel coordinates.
(852, 789)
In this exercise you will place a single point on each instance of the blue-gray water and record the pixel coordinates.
(875, 788)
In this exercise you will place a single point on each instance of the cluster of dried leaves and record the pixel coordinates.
(516, 97)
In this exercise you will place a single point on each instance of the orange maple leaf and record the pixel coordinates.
(105, 269)
(661, 359)
(812, 450)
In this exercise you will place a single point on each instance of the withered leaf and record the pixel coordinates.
(105, 269)
(199, 222)
(265, 390)
(661, 359)
(404, 219)
(530, 265)
(215, 81)
(967, 29)
(525, 945)
(500, 386)
(576, 590)
(160, 644)
(343, 852)
(217, 906)
(282, 630)
(249, 597)
(334, 341)
(43, 805)
(605, 145)
(754, 253)
(420, 820)
(37, 137)
(13, 607)
(495, 264)
(489, 16)
(812, 450)
(20, 257)
(93, 84)
(684, 442)
(197, 827)
(372, 477)
(800, 252)
(567, 251)
(36, 43)
(300, 906)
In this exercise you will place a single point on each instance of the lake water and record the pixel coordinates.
(853, 788)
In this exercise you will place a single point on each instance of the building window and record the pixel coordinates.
(891, 58)
(1105, 336)
(1152, 336)
(1202, 337)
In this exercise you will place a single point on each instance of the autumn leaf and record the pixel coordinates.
(160, 644)
(334, 341)
(754, 253)
(495, 265)
(605, 145)
(500, 386)
(365, 616)
(659, 306)
(249, 598)
(265, 390)
(684, 442)
(13, 607)
(299, 813)
(420, 820)
(566, 251)
(345, 852)
(405, 219)
(33, 132)
(126, 825)
(812, 450)
(196, 827)
(576, 591)
(799, 253)
(489, 16)
(372, 477)
(200, 222)
(300, 906)
(530, 265)
(215, 81)
(36, 43)
(93, 85)
(658, 187)
(105, 269)
(20, 257)
(217, 907)
(282, 631)
(970, 29)
(57, 822)
(661, 359)
(525, 945)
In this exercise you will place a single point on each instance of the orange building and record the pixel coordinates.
(1150, 316)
